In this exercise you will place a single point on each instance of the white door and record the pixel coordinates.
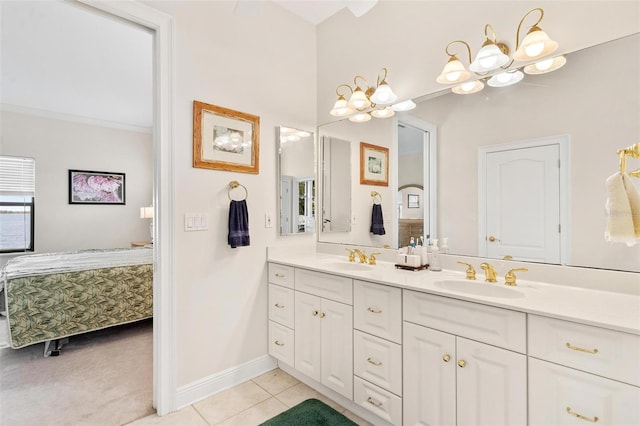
(285, 205)
(491, 385)
(336, 351)
(522, 204)
(307, 334)
(429, 380)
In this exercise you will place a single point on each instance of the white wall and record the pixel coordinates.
(58, 146)
(263, 65)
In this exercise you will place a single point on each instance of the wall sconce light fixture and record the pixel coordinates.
(366, 101)
(494, 55)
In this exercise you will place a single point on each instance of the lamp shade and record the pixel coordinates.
(454, 72)
(489, 58)
(360, 117)
(468, 88)
(546, 65)
(505, 79)
(535, 45)
(146, 212)
(341, 108)
(404, 105)
(385, 112)
(383, 95)
(358, 100)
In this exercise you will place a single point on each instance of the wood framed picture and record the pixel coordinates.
(88, 187)
(374, 165)
(224, 139)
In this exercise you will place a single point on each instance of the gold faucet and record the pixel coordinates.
(361, 255)
(471, 273)
(490, 273)
(352, 255)
(510, 277)
(372, 258)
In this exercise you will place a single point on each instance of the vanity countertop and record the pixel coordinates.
(615, 311)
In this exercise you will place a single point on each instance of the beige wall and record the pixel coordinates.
(58, 146)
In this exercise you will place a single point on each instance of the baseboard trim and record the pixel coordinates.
(204, 388)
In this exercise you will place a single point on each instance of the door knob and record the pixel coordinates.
(462, 363)
(492, 238)
(446, 358)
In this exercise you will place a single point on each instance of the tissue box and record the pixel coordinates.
(413, 260)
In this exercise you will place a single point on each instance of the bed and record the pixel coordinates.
(49, 297)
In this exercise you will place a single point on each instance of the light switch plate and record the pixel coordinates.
(268, 221)
(196, 222)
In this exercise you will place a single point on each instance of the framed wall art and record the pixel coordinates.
(89, 187)
(224, 139)
(413, 201)
(374, 165)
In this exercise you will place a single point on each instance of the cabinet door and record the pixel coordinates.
(491, 385)
(563, 396)
(336, 336)
(429, 391)
(307, 334)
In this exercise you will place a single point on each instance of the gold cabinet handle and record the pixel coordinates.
(374, 402)
(279, 275)
(278, 343)
(376, 363)
(581, 417)
(277, 305)
(322, 315)
(314, 313)
(576, 348)
(462, 363)
(374, 311)
(446, 357)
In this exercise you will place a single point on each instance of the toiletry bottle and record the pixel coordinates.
(444, 245)
(434, 264)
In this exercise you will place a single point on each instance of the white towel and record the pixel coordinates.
(623, 210)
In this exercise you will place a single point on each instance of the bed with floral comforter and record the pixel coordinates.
(56, 295)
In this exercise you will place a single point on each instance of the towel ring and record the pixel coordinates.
(234, 184)
(375, 194)
(632, 151)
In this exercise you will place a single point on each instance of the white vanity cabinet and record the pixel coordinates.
(581, 374)
(464, 363)
(324, 329)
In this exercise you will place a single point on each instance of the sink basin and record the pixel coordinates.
(479, 288)
(348, 266)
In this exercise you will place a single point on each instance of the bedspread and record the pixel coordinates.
(56, 295)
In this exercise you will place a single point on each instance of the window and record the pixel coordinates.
(17, 201)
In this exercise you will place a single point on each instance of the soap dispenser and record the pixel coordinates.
(435, 265)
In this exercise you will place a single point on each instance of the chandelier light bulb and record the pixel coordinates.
(383, 113)
(453, 72)
(544, 65)
(534, 49)
(359, 100)
(360, 117)
(341, 108)
(383, 95)
(489, 58)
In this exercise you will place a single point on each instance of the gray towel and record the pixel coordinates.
(238, 224)
(377, 223)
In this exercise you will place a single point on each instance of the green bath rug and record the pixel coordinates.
(311, 412)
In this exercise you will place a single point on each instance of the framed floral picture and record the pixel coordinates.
(374, 165)
(224, 139)
(88, 187)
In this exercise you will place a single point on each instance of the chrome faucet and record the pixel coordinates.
(361, 255)
(490, 273)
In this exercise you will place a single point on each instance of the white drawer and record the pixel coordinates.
(281, 305)
(281, 343)
(596, 350)
(378, 361)
(281, 274)
(378, 310)
(329, 286)
(555, 392)
(380, 402)
(495, 326)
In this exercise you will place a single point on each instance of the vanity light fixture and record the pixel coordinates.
(494, 55)
(366, 101)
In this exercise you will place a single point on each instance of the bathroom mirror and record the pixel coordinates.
(585, 100)
(297, 184)
(336, 184)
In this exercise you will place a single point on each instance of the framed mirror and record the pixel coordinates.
(296, 181)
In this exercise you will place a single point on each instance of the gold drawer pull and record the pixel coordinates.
(376, 363)
(277, 305)
(576, 348)
(581, 417)
(322, 314)
(278, 343)
(462, 363)
(374, 402)
(314, 313)
(374, 311)
(278, 275)
(446, 357)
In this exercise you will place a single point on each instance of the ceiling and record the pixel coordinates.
(96, 67)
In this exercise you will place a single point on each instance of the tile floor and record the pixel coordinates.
(247, 404)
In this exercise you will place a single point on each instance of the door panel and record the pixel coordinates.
(307, 334)
(337, 347)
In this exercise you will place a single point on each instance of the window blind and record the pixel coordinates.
(17, 176)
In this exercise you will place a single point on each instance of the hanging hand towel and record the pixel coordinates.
(623, 210)
(238, 224)
(377, 223)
